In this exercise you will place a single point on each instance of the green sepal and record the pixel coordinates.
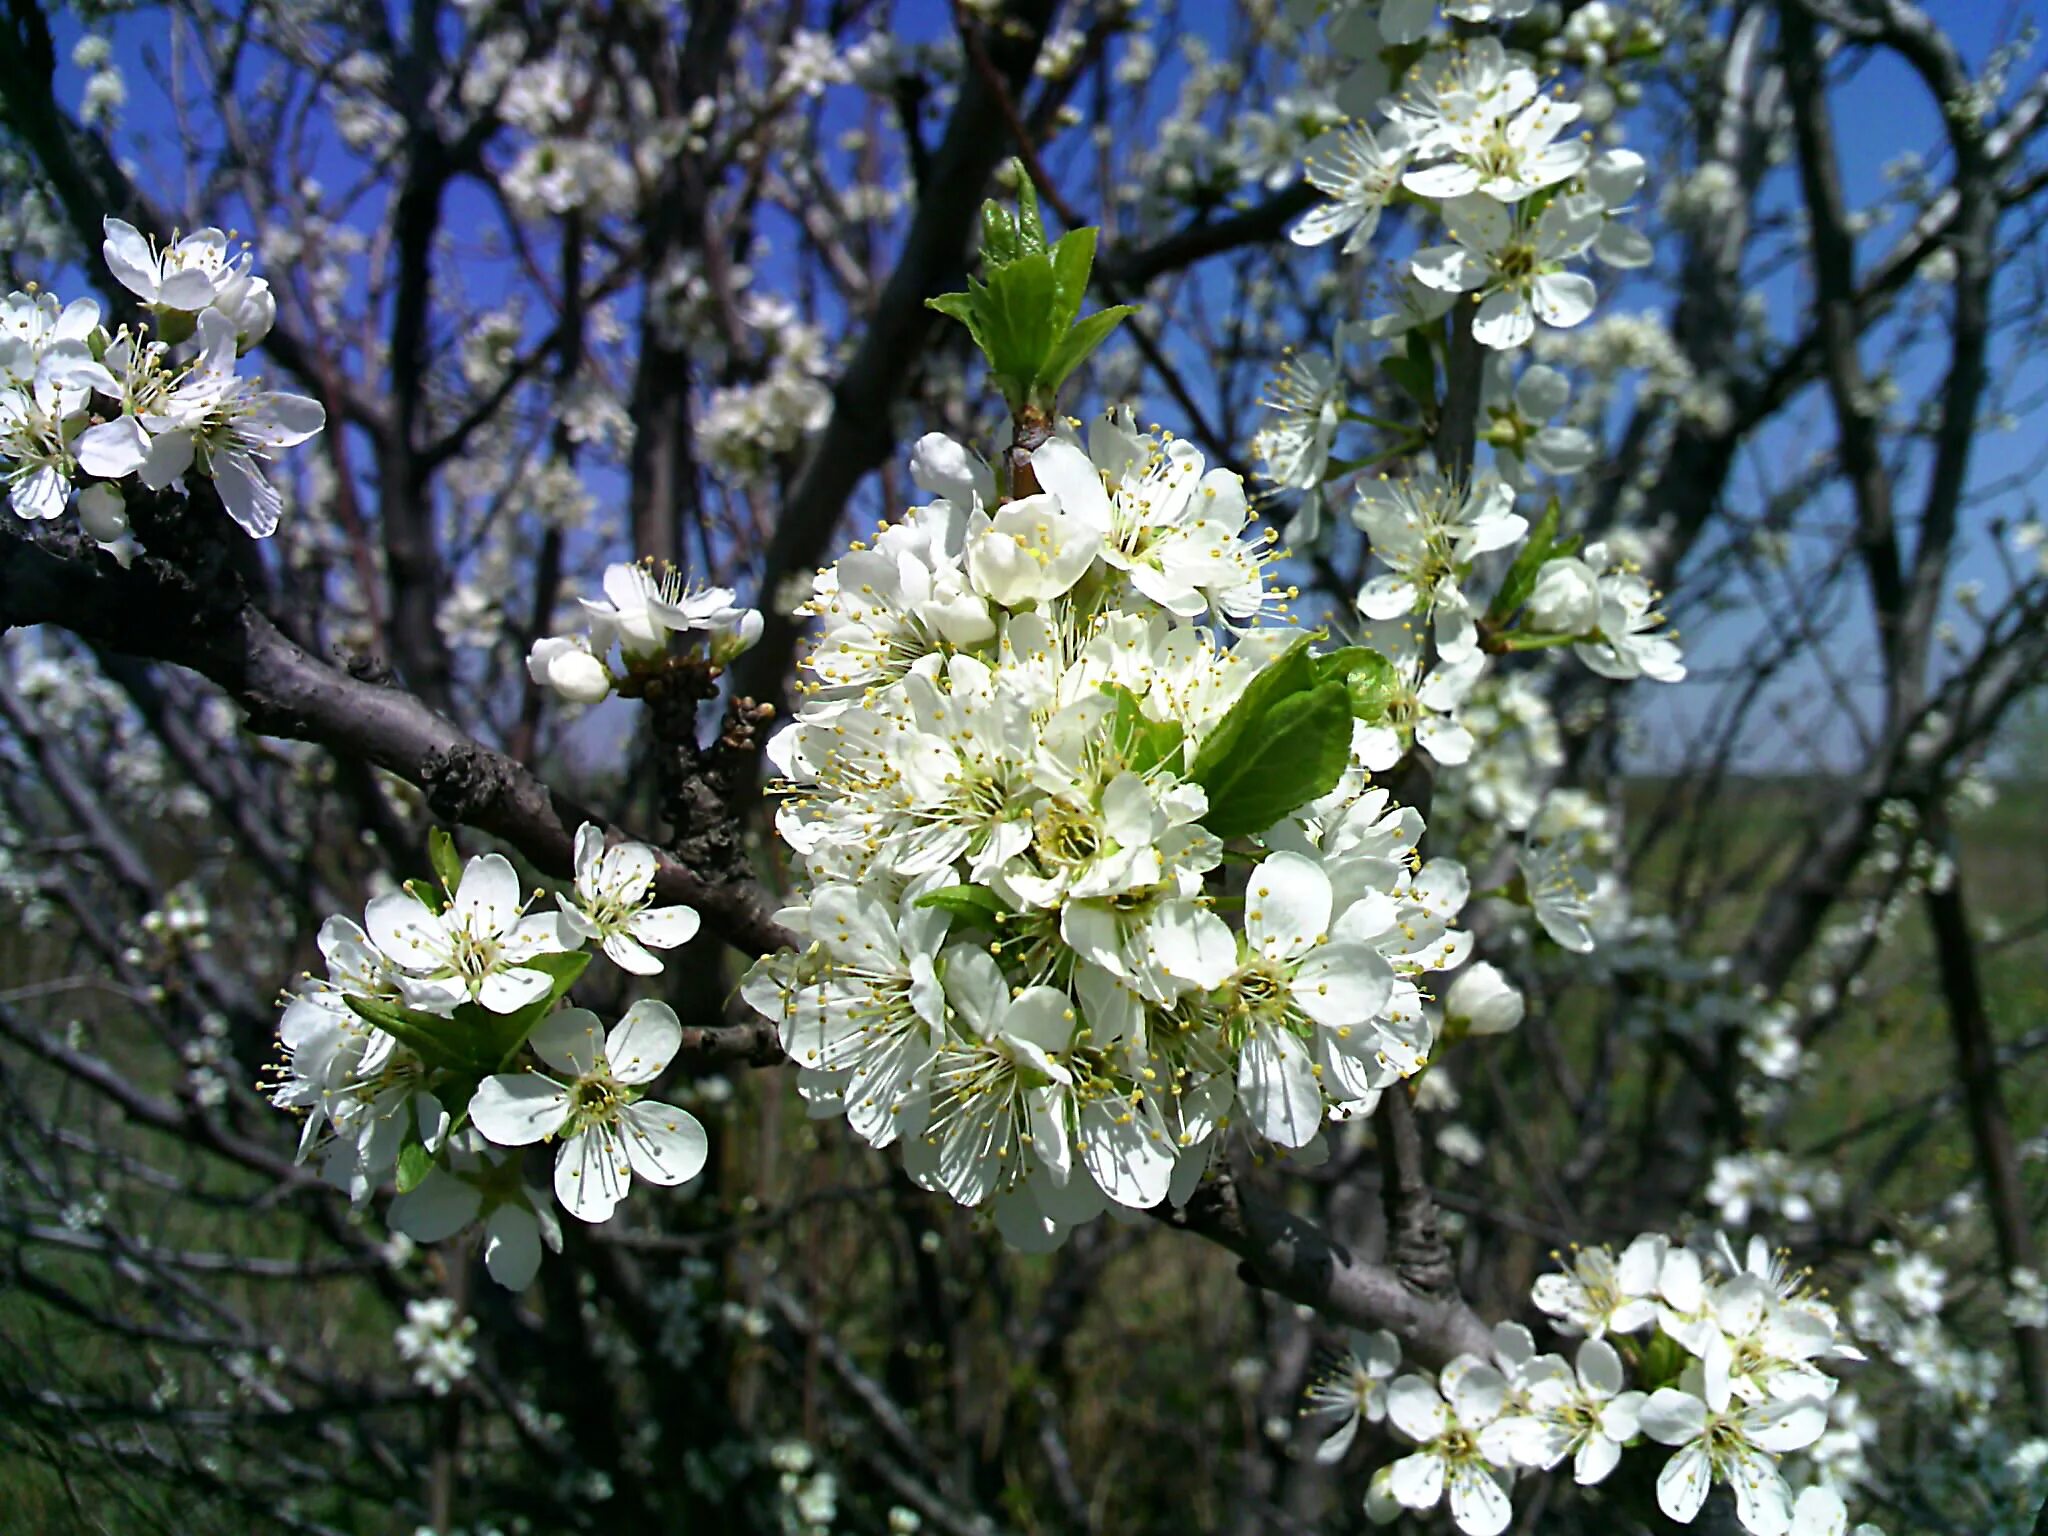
(1299, 753)
(427, 894)
(442, 855)
(975, 905)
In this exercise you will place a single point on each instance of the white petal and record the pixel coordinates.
(1342, 984)
(1417, 1481)
(511, 990)
(129, 258)
(1780, 1427)
(1597, 1456)
(1069, 474)
(1276, 1081)
(570, 1040)
(591, 1175)
(1672, 1417)
(625, 951)
(113, 448)
(170, 455)
(1322, 224)
(1682, 1485)
(40, 495)
(285, 421)
(488, 895)
(1126, 1150)
(643, 1042)
(1417, 1409)
(1562, 299)
(666, 927)
(1623, 245)
(251, 500)
(1478, 1396)
(1478, 1505)
(1287, 905)
(665, 1145)
(441, 1206)
(401, 926)
(1042, 1016)
(1504, 320)
(189, 289)
(517, 1109)
(512, 1246)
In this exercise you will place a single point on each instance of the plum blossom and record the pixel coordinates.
(475, 949)
(614, 887)
(608, 1132)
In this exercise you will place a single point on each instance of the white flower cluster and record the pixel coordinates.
(448, 997)
(1472, 132)
(76, 400)
(1729, 1373)
(434, 1341)
(640, 611)
(1091, 869)
(1472, 135)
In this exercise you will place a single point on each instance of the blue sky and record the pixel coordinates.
(1881, 113)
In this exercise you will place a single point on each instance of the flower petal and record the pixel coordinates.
(643, 1042)
(591, 1175)
(664, 1145)
(516, 1109)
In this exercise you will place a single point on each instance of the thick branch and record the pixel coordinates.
(162, 613)
(1977, 1069)
(1293, 1256)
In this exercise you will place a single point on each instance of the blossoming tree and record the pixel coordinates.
(1285, 992)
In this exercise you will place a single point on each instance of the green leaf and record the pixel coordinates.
(497, 1037)
(962, 307)
(427, 894)
(415, 1162)
(1030, 223)
(1072, 259)
(1368, 677)
(1290, 672)
(1142, 742)
(1299, 752)
(1074, 349)
(999, 243)
(1520, 580)
(975, 905)
(1016, 317)
(1414, 371)
(424, 1034)
(442, 855)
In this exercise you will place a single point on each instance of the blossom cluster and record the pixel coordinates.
(1092, 872)
(438, 1045)
(645, 614)
(1471, 139)
(83, 409)
(1730, 1356)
